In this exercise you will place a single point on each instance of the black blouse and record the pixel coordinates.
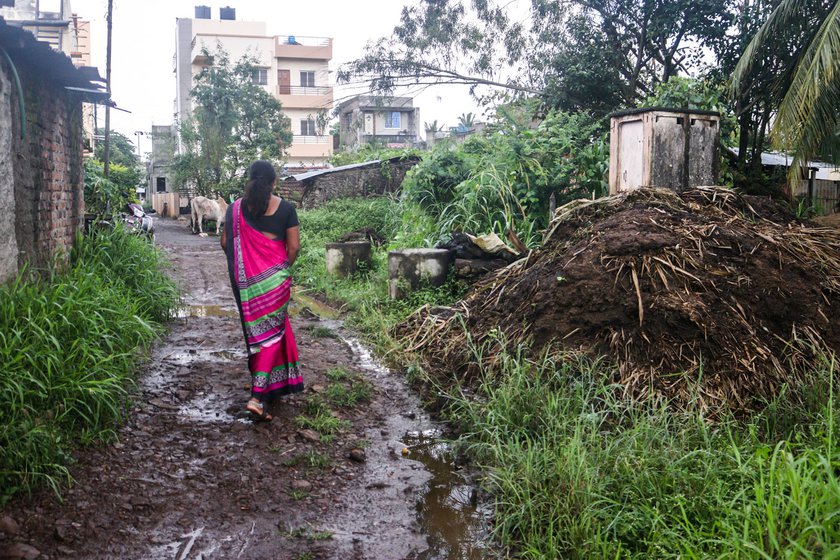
(284, 217)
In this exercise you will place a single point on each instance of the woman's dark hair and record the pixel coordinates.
(261, 177)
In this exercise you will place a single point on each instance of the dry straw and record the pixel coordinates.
(706, 296)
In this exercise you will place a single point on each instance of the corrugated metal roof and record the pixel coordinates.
(781, 159)
(311, 174)
(53, 66)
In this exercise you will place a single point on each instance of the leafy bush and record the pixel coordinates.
(505, 178)
(107, 196)
(370, 152)
(69, 344)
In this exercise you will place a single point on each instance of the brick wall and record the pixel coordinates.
(47, 171)
(372, 180)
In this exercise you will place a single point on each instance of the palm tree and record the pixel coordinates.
(432, 127)
(466, 121)
(807, 118)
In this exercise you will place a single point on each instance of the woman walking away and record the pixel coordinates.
(261, 239)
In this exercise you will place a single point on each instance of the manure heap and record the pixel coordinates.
(703, 296)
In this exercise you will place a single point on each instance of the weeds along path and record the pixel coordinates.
(188, 478)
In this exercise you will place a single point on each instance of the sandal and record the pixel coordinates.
(258, 412)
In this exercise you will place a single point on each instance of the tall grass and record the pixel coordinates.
(401, 224)
(69, 344)
(576, 472)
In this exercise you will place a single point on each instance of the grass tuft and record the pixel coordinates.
(69, 344)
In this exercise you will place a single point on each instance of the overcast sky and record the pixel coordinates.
(142, 75)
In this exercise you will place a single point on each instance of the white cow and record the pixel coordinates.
(207, 209)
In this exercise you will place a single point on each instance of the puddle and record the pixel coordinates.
(301, 301)
(188, 356)
(446, 514)
(205, 408)
(205, 311)
(448, 511)
(229, 355)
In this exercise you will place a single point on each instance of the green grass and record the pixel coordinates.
(309, 534)
(69, 344)
(298, 495)
(578, 473)
(349, 394)
(323, 332)
(574, 471)
(312, 459)
(338, 374)
(319, 417)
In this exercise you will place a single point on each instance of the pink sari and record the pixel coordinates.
(262, 282)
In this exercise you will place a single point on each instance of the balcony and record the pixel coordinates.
(301, 97)
(392, 140)
(310, 147)
(295, 46)
(198, 57)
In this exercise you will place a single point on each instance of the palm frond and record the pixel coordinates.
(777, 22)
(808, 113)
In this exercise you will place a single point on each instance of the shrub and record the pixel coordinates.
(69, 344)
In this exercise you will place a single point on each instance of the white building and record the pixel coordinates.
(293, 69)
(53, 22)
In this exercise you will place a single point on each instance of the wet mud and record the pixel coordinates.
(189, 476)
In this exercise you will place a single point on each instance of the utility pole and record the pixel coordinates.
(107, 157)
(138, 134)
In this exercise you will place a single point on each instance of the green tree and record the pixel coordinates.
(123, 152)
(466, 121)
(806, 118)
(432, 127)
(234, 122)
(576, 54)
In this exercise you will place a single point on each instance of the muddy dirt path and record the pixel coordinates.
(189, 478)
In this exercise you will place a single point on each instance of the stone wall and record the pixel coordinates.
(353, 181)
(8, 245)
(47, 172)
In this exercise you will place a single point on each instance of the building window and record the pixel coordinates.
(160, 184)
(260, 76)
(307, 79)
(307, 127)
(392, 119)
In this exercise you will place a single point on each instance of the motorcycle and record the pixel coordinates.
(137, 221)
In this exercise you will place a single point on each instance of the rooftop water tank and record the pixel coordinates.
(227, 13)
(202, 12)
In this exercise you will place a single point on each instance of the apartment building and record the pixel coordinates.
(53, 22)
(391, 121)
(294, 69)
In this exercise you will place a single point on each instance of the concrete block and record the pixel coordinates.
(410, 269)
(343, 259)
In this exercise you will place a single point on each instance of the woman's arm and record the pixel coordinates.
(223, 238)
(292, 244)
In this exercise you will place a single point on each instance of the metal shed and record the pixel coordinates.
(663, 147)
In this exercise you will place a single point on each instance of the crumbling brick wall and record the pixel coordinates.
(360, 181)
(47, 171)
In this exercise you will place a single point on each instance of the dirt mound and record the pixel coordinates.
(707, 285)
